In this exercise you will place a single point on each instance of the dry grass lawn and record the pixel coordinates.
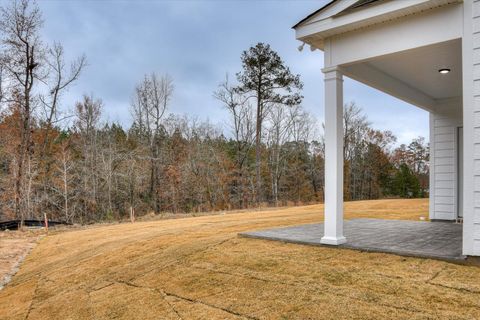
(198, 268)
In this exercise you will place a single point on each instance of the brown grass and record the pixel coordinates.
(197, 268)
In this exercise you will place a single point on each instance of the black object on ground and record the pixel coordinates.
(15, 224)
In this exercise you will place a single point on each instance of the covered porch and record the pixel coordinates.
(428, 77)
(411, 50)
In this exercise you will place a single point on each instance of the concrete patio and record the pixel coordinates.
(437, 240)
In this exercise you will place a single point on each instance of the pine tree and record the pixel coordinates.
(269, 81)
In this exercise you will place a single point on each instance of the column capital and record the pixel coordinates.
(332, 73)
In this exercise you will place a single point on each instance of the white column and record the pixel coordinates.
(333, 157)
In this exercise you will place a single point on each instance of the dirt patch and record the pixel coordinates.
(198, 268)
(14, 247)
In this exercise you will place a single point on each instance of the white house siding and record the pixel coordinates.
(476, 123)
(471, 120)
(444, 125)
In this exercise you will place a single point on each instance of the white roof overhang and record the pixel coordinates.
(394, 46)
(337, 17)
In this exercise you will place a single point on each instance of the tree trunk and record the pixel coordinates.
(258, 141)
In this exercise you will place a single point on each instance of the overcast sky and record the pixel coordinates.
(197, 43)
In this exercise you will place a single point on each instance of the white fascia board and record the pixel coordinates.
(371, 76)
(385, 11)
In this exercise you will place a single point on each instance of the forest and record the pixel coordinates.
(77, 167)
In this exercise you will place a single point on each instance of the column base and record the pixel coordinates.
(335, 241)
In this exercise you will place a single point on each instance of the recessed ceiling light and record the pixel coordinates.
(444, 71)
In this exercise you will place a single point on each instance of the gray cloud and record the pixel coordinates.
(197, 43)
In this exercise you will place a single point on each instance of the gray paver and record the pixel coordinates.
(439, 240)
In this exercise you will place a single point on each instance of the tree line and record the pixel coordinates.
(78, 168)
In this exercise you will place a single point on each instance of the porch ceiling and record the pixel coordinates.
(413, 75)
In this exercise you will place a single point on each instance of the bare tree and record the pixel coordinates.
(151, 100)
(242, 128)
(65, 167)
(2, 79)
(355, 128)
(280, 120)
(87, 121)
(58, 80)
(23, 53)
(302, 130)
(60, 77)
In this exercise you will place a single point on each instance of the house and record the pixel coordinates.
(427, 53)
